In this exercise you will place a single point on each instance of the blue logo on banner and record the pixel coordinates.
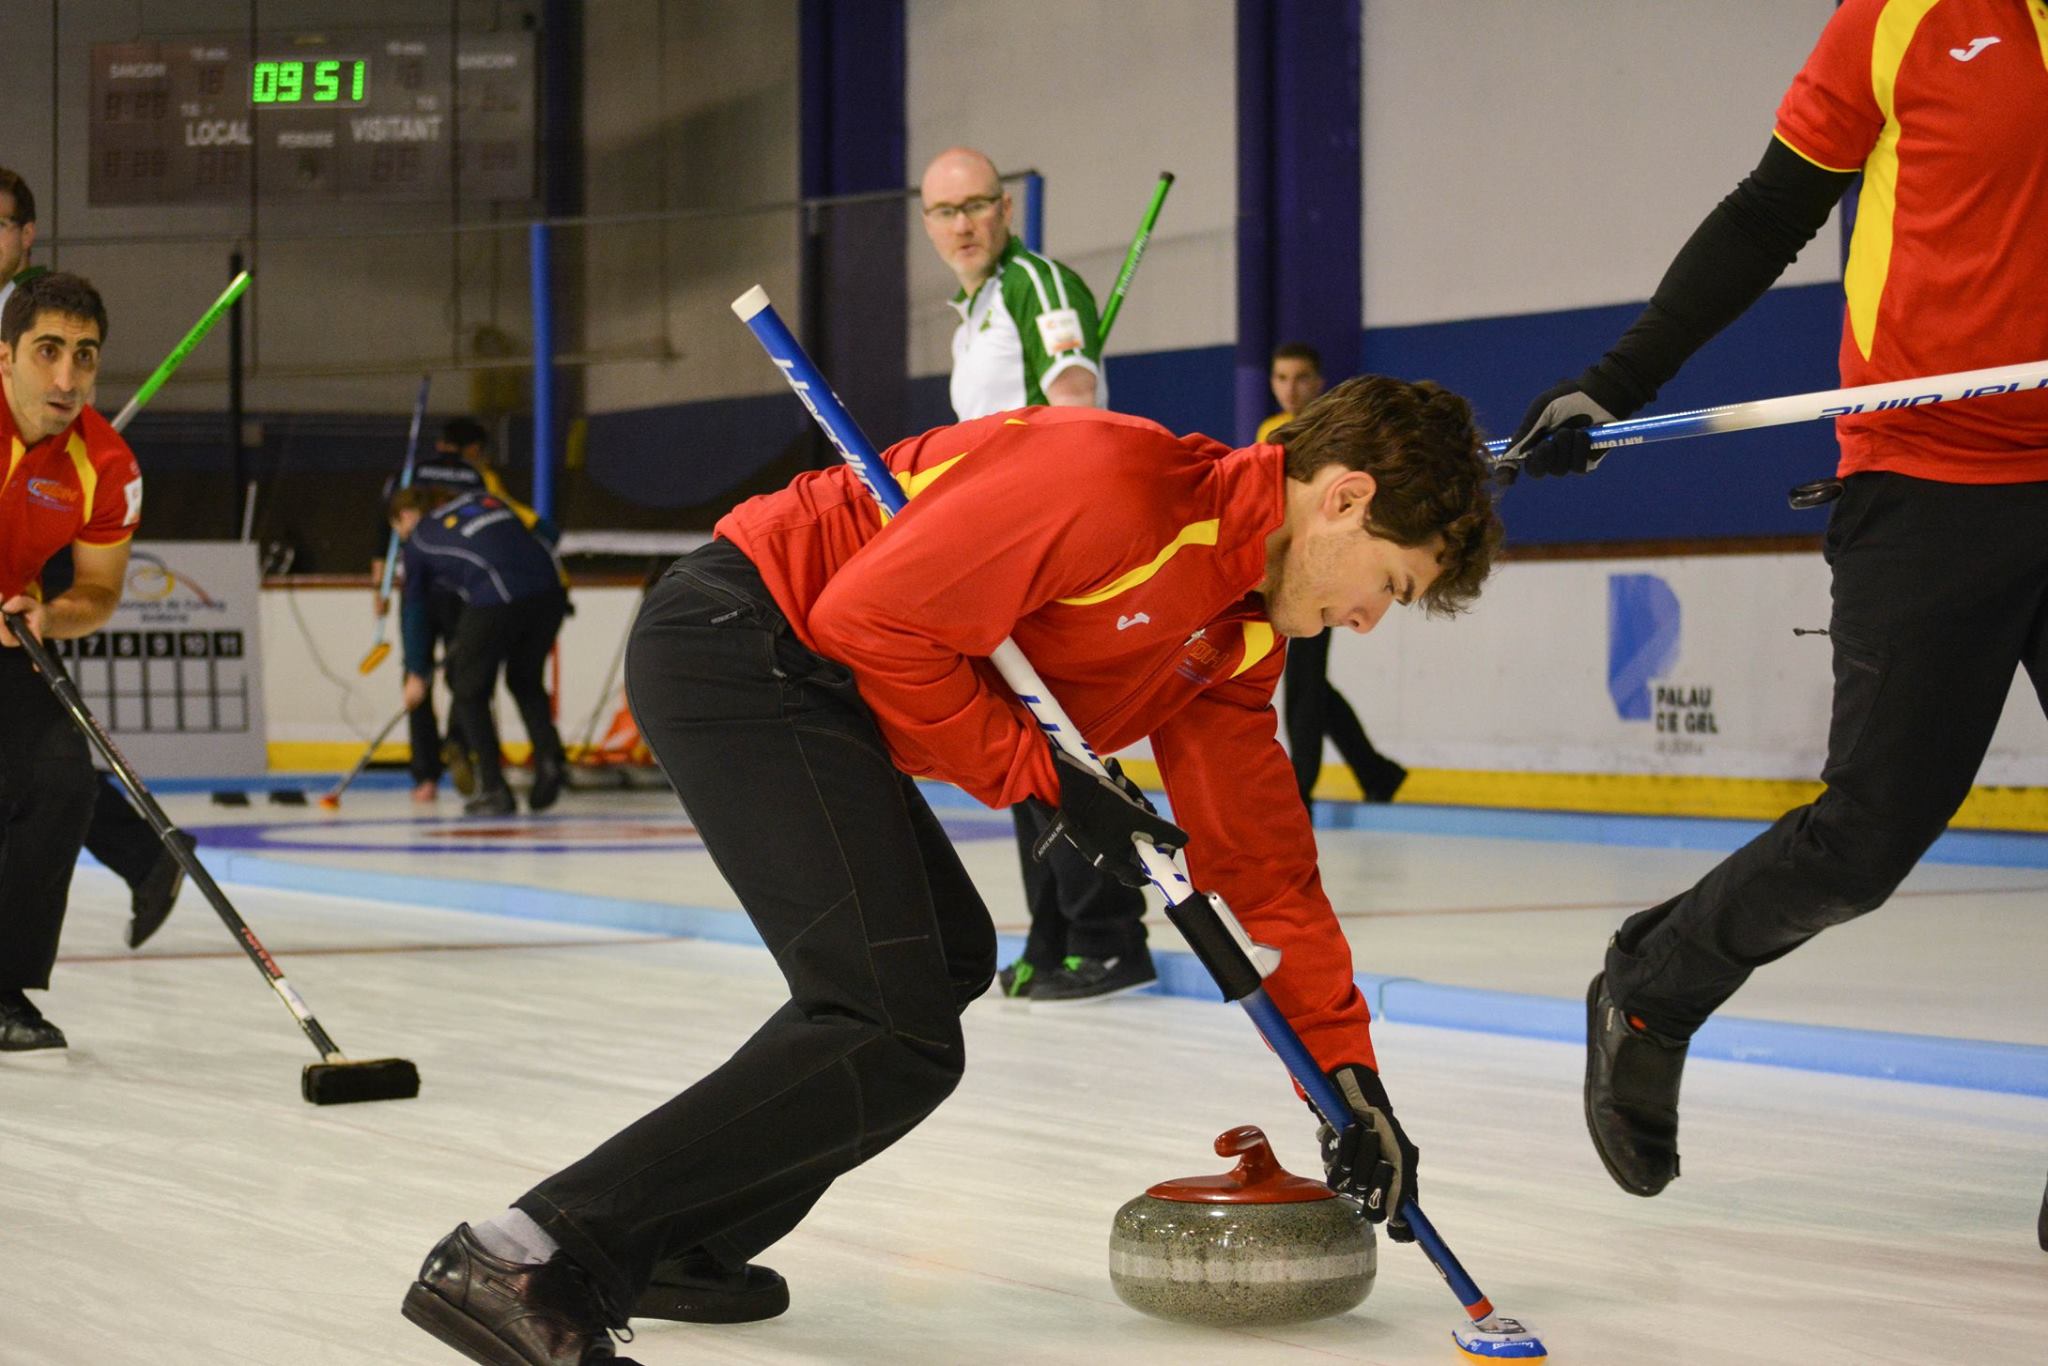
(1642, 639)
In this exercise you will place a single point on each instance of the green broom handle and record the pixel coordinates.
(1131, 257)
(236, 288)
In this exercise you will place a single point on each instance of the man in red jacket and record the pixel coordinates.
(797, 674)
(68, 479)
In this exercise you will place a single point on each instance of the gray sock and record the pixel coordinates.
(515, 1237)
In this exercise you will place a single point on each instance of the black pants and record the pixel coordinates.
(857, 892)
(515, 637)
(422, 732)
(1075, 907)
(1940, 592)
(46, 798)
(119, 835)
(1314, 710)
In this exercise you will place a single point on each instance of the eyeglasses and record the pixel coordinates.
(978, 207)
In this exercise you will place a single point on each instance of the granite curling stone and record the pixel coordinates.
(1255, 1245)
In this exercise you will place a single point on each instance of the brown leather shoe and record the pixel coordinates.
(505, 1313)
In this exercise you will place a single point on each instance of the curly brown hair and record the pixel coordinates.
(1419, 443)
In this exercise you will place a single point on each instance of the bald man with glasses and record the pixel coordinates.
(1029, 335)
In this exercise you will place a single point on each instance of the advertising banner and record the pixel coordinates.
(1714, 665)
(176, 676)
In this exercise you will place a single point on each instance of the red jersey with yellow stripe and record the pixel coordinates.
(1122, 560)
(81, 485)
(1943, 105)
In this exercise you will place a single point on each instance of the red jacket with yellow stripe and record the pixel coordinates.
(1122, 559)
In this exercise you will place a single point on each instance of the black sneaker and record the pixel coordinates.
(496, 801)
(462, 773)
(694, 1289)
(152, 902)
(1384, 781)
(1015, 980)
(511, 1313)
(1632, 1076)
(2041, 1228)
(23, 1028)
(1079, 979)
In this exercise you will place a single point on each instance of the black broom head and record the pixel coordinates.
(343, 1083)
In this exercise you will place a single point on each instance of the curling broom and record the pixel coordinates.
(335, 1079)
(1212, 931)
(379, 647)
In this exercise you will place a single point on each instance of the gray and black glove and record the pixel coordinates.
(1100, 816)
(1552, 436)
(1372, 1161)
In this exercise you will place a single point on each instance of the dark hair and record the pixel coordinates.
(462, 432)
(414, 498)
(1418, 442)
(56, 292)
(1299, 351)
(24, 197)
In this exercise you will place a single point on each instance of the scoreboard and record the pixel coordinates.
(373, 115)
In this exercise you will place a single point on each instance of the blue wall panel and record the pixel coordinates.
(1710, 487)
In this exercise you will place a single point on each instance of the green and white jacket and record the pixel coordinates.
(1032, 320)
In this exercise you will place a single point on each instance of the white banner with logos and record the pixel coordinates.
(177, 675)
(1687, 665)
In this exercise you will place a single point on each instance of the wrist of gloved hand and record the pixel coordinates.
(1101, 816)
(1372, 1160)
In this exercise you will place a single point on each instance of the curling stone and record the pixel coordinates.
(1255, 1245)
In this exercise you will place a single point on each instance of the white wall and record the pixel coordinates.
(313, 639)
(688, 106)
(1520, 682)
(1528, 155)
(1101, 98)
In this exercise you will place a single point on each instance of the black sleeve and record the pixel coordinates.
(1731, 259)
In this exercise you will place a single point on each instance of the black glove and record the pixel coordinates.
(1100, 816)
(1552, 436)
(1372, 1161)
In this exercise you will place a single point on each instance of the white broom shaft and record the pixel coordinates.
(1813, 407)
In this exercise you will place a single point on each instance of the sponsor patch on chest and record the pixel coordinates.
(52, 493)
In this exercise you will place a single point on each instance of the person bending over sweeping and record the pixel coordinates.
(513, 603)
(797, 674)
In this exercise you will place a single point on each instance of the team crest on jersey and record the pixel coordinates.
(1200, 660)
(52, 494)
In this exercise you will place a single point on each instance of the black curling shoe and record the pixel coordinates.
(694, 1289)
(152, 902)
(505, 1313)
(1632, 1077)
(492, 801)
(548, 777)
(23, 1028)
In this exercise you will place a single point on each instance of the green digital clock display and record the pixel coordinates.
(291, 81)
